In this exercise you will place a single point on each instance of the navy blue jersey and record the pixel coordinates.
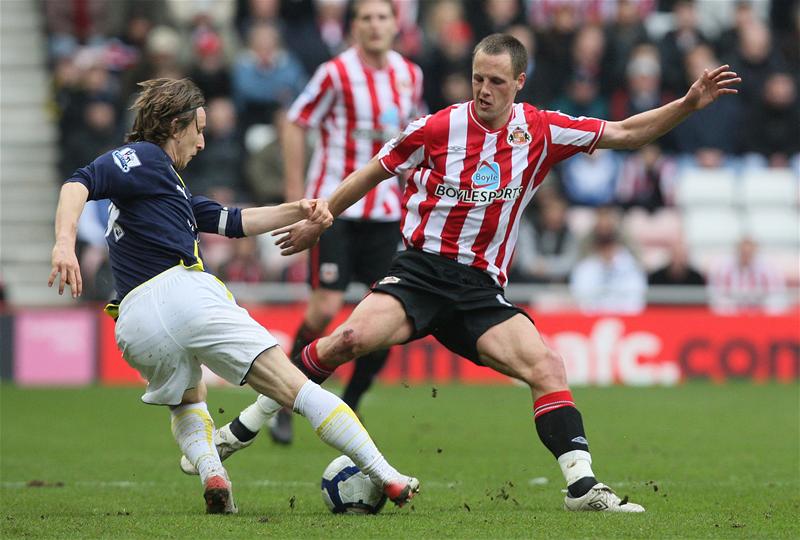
(154, 220)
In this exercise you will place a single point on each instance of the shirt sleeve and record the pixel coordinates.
(569, 135)
(405, 151)
(214, 218)
(315, 101)
(122, 173)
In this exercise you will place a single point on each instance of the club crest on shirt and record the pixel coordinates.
(519, 136)
(126, 159)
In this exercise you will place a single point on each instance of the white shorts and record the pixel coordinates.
(180, 319)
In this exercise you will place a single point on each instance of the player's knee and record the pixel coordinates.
(545, 372)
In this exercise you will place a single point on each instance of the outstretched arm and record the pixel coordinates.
(643, 128)
(303, 235)
(268, 218)
(64, 261)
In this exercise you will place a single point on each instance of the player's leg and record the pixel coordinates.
(515, 347)
(329, 272)
(192, 427)
(372, 253)
(323, 305)
(145, 333)
(272, 374)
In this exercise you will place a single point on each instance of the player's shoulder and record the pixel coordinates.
(129, 157)
(397, 59)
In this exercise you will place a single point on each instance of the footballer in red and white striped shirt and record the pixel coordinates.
(357, 107)
(474, 166)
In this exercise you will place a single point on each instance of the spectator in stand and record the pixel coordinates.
(647, 179)
(160, 60)
(490, 16)
(96, 134)
(642, 91)
(582, 98)
(678, 271)
(591, 179)
(755, 60)
(546, 248)
(773, 123)
(451, 54)
(264, 170)
(537, 82)
(245, 264)
(70, 24)
(606, 224)
(743, 15)
(715, 129)
(589, 61)
(609, 279)
(677, 43)
(252, 12)
(556, 24)
(624, 33)
(265, 76)
(221, 164)
(210, 70)
(746, 282)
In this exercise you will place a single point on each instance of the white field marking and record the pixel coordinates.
(127, 484)
(433, 484)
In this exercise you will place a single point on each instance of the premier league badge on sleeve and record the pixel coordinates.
(519, 136)
(126, 158)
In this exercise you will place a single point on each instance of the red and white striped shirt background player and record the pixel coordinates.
(357, 108)
(469, 184)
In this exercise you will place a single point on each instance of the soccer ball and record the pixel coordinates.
(346, 490)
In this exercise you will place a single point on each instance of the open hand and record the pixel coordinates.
(65, 262)
(710, 86)
(298, 236)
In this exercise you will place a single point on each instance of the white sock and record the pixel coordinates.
(258, 414)
(192, 428)
(575, 465)
(338, 426)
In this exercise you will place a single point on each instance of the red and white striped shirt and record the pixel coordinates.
(470, 184)
(357, 108)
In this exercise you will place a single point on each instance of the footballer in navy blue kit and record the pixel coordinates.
(173, 316)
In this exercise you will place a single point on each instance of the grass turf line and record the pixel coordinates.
(705, 460)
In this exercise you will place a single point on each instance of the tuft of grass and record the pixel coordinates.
(705, 460)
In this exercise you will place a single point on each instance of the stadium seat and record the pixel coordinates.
(659, 229)
(712, 226)
(704, 187)
(774, 225)
(769, 187)
(786, 260)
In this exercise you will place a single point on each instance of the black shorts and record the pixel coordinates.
(353, 250)
(453, 302)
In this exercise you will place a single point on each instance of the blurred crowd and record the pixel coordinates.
(606, 223)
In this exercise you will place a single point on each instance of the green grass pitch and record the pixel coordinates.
(705, 460)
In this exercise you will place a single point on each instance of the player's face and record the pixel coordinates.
(374, 27)
(494, 87)
(191, 140)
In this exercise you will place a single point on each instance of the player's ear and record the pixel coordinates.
(521, 81)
